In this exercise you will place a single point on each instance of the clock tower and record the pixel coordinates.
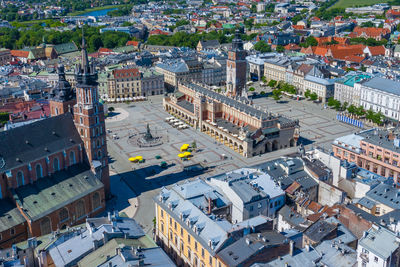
(236, 68)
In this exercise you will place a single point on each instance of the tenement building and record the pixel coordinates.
(54, 172)
(234, 122)
(375, 150)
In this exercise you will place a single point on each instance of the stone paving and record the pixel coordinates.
(318, 127)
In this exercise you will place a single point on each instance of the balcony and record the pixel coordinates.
(364, 257)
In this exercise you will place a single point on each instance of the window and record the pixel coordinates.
(170, 220)
(210, 260)
(195, 245)
(63, 215)
(175, 226)
(162, 213)
(251, 208)
(80, 209)
(72, 158)
(20, 178)
(188, 238)
(56, 164)
(45, 226)
(39, 171)
(202, 252)
(99, 154)
(162, 227)
(96, 200)
(181, 231)
(12, 231)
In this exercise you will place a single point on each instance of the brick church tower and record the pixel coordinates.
(62, 97)
(89, 118)
(236, 68)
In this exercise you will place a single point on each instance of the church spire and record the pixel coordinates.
(85, 59)
(85, 72)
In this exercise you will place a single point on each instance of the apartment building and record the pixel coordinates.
(151, 82)
(178, 70)
(251, 191)
(193, 226)
(382, 95)
(323, 87)
(124, 83)
(275, 68)
(377, 151)
(379, 247)
(347, 89)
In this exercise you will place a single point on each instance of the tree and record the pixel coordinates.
(307, 93)
(370, 115)
(194, 144)
(276, 94)
(262, 47)
(344, 106)
(367, 24)
(252, 89)
(280, 49)
(352, 109)
(314, 96)
(111, 109)
(310, 41)
(272, 83)
(360, 111)
(95, 42)
(331, 101)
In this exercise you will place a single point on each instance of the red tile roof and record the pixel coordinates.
(125, 73)
(134, 43)
(19, 53)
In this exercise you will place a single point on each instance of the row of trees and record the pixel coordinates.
(191, 39)
(375, 117)
(312, 96)
(14, 39)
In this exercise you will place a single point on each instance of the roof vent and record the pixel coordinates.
(70, 185)
(54, 133)
(46, 149)
(53, 194)
(35, 202)
(18, 159)
(71, 140)
(26, 142)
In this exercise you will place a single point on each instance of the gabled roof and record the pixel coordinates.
(20, 53)
(24, 144)
(49, 194)
(65, 48)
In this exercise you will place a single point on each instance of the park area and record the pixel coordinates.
(356, 3)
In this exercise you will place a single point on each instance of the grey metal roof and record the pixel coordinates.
(177, 66)
(293, 218)
(386, 85)
(150, 256)
(319, 230)
(366, 202)
(380, 241)
(24, 144)
(249, 245)
(385, 194)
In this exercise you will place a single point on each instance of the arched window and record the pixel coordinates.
(99, 154)
(80, 209)
(80, 109)
(45, 226)
(97, 120)
(56, 111)
(39, 171)
(63, 215)
(72, 158)
(56, 164)
(20, 178)
(98, 142)
(96, 200)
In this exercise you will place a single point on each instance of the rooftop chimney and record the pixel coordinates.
(291, 247)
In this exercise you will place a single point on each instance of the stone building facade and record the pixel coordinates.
(232, 121)
(236, 68)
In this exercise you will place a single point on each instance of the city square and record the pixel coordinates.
(317, 128)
